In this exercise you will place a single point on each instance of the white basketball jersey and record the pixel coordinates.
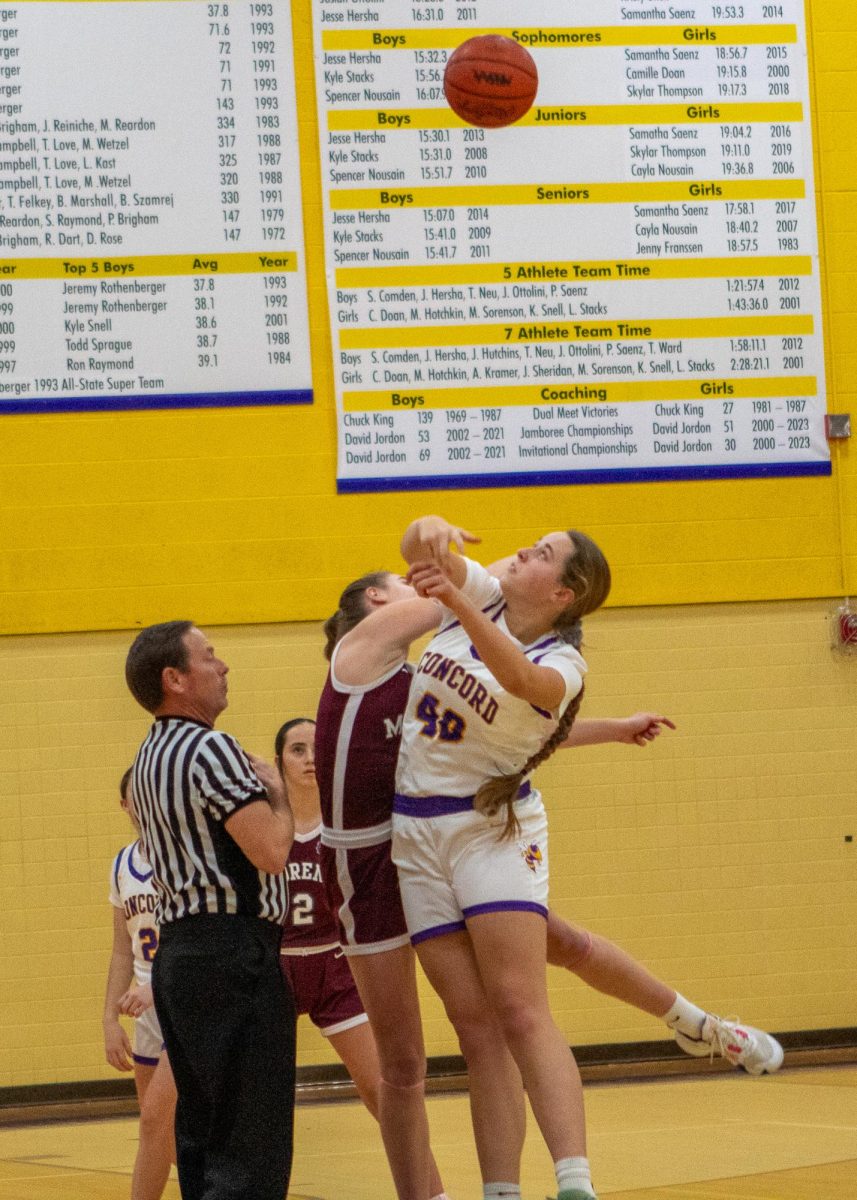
(132, 890)
(461, 727)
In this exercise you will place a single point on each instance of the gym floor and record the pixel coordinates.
(727, 1137)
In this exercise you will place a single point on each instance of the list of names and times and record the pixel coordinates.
(151, 225)
(622, 285)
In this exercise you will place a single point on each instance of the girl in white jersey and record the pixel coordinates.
(135, 940)
(377, 619)
(494, 694)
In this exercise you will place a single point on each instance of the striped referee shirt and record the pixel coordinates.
(188, 779)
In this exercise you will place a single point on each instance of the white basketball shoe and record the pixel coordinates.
(755, 1051)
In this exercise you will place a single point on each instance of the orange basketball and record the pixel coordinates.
(490, 80)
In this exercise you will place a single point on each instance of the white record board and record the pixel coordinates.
(151, 223)
(621, 286)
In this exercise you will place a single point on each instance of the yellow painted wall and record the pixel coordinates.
(716, 855)
(115, 520)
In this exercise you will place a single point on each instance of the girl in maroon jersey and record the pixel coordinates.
(311, 958)
(357, 741)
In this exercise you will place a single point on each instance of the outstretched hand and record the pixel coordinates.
(437, 536)
(643, 727)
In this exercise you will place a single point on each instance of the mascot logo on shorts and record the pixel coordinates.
(532, 856)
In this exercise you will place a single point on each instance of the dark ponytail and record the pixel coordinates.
(352, 609)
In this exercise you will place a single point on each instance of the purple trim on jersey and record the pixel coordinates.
(117, 863)
(547, 645)
(431, 806)
(476, 910)
(133, 869)
(148, 1062)
(441, 806)
(495, 618)
(438, 931)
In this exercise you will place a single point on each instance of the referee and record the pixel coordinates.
(217, 830)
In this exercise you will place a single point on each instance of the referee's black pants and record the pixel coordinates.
(229, 1029)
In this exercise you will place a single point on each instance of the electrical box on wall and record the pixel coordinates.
(843, 628)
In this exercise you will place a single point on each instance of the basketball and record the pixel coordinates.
(490, 81)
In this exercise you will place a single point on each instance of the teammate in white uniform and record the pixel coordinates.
(135, 940)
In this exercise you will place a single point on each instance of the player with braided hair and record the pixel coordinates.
(492, 697)
(357, 741)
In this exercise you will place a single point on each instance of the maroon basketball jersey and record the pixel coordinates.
(357, 737)
(310, 922)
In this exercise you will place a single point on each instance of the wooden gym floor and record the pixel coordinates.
(725, 1137)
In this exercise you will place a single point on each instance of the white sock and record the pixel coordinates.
(685, 1017)
(573, 1173)
(490, 1191)
(440, 1196)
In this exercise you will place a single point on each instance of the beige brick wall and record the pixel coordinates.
(715, 855)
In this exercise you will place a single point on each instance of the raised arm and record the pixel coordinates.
(382, 639)
(541, 686)
(499, 567)
(430, 539)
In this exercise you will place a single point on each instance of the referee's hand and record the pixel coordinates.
(270, 779)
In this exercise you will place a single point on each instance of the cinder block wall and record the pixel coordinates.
(715, 855)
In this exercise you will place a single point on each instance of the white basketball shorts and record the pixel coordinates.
(455, 865)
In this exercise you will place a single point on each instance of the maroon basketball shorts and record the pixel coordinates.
(363, 889)
(323, 988)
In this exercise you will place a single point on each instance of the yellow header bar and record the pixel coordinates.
(550, 117)
(582, 393)
(570, 272)
(402, 196)
(274, 262)
(516, 333)
(563, 38)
